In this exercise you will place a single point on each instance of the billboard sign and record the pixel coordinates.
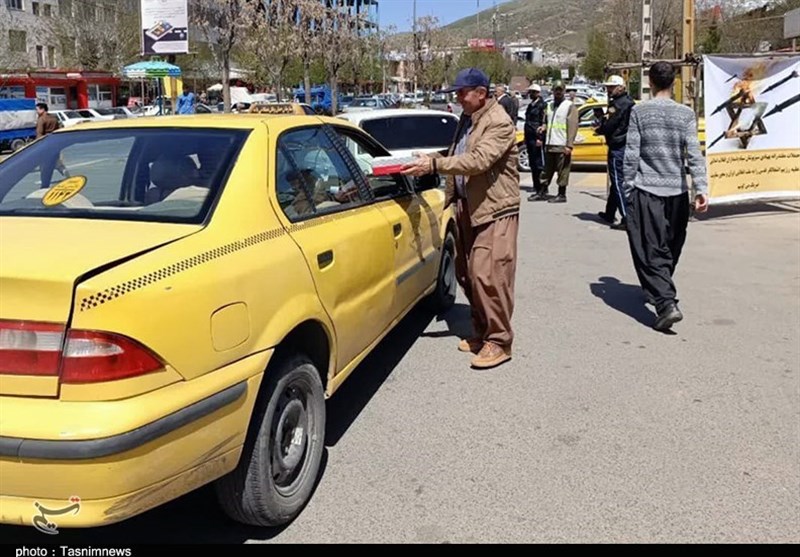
(482, 44)
(165, 27)
(791, 24)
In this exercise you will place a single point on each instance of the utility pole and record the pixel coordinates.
(416, 49)
(688, 88)
(478, 15)
(647, 46)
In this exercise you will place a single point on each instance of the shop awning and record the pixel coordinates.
(151, 70)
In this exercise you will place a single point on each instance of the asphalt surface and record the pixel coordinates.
(599, 430)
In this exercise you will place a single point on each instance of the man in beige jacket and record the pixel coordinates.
(483, 183)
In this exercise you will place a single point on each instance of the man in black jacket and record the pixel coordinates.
(614, 126)
(507, 102)
(535, 120)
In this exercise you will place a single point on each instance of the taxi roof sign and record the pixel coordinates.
(276, 108)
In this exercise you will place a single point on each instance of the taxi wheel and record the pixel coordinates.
(524, 164)
(281, 458)
(17, 144)
(444, 297)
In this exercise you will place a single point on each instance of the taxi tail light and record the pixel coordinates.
(41, 349)
(92, 357)
(30, 348)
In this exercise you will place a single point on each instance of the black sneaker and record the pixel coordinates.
(558, 199)
(619, 226)
(667, 318)
(538, 197)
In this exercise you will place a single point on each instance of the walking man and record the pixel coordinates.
(483, 183)
(662, 141)
(615, 129)
(561, 130)
(534, 135)
(186, 102)
(505, 100)
(45, 122)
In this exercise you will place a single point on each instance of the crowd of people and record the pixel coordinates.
(650, 147)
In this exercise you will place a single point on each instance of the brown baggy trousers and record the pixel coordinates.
(486, 264)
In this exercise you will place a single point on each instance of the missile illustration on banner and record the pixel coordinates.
(793, 75)
(784, 105)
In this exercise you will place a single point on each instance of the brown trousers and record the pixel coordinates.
(486, 264)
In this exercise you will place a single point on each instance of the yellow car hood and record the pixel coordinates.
(41, 259)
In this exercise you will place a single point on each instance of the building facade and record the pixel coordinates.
(26, 40)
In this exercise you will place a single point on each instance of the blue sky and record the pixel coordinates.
(400, 12)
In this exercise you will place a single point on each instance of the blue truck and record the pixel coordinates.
(17, 123)
(321, 98)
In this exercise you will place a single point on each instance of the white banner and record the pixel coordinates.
(752, 111)
(165, 27)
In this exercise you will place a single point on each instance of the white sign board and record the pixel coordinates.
(791, 24)
(165, 27)
(753, 149)
(565, 73)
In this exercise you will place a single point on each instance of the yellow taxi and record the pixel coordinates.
(181, 294)
(590, 147)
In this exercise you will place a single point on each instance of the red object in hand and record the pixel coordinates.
(385, 166)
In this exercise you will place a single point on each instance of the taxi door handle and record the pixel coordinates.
(398, 230)
(325, 259)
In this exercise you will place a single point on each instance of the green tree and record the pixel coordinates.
(597, 54)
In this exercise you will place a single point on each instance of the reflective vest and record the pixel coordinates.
(557, 123)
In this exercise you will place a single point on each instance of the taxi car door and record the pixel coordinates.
(589, 147)
(345, 239)
(412, 218)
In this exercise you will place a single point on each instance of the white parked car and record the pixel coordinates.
(93, 115)
(69, 118)
(118, 112)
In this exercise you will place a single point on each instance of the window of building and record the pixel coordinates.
(12, 92)
(101, 96)
(39, 56)
(17, 41)
(65, 8)
(15, 5)
(35, 7)
(47, 10)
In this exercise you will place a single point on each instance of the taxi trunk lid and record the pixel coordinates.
(41, 262)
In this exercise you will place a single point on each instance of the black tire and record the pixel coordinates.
(17, 144)
(444, 297)
(277, 471)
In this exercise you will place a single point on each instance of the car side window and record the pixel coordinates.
(588, 116)
(364, 152)
(312, 178)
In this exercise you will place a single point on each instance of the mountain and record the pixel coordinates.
(555, 25)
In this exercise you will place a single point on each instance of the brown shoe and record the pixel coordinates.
(491, 355)
(472, 345)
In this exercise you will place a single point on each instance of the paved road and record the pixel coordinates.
(600, 430)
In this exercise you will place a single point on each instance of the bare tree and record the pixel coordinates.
(269, 44)
(223, 24)
(339, 32)
(96, 35)
(308, 38)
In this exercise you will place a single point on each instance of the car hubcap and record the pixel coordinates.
(290, 438)
(524, 161)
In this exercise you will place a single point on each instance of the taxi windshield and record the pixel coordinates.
(145, 174)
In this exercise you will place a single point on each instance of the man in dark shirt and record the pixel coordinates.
(615, 129)
(535, 119)
(509, 104)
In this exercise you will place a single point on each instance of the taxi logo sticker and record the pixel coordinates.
(64, 191)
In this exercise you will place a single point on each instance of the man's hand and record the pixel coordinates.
(538, 142)
(568, 151)
(541, 129)
(701, 203)
(422, 166)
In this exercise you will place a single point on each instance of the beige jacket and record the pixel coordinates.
(489, 164)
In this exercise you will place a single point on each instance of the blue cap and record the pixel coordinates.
(471, 77)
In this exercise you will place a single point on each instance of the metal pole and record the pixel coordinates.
(647, 48)
(687, 72)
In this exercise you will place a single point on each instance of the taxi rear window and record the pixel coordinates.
(159, 175)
